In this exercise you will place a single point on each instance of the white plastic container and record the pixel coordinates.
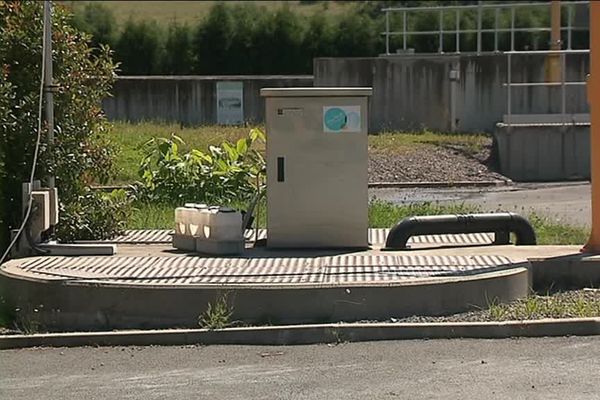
(189, 220)
(197, 219)
(222, 223)
(182, 218)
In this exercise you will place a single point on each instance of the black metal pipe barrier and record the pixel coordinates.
(501, 224)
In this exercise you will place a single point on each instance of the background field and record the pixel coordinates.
(130, 138)
(192, 12)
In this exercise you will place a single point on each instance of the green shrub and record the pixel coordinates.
(96, 215)
(82, 152)
(218, 314)
(225, 174)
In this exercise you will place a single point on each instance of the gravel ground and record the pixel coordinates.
(569, 304)
(430, 163)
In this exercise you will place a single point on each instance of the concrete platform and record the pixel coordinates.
(148, 284)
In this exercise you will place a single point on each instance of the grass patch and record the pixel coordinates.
(575, 304)
(192, 12)
(152, 216)
(382, 214)
(130, 138)
(550, 232)
(402, 142)
(162, 216)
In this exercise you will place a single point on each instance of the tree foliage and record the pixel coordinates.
(81, 153)
(139, 48)
(250, 39)
(98, 21)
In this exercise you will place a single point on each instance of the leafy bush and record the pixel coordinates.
(225, 174)
(81, 152)
(96, 215)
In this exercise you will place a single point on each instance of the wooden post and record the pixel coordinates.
(553, 64)
(593, 90)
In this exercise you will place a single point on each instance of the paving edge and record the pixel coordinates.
(311, 334)
(376, 185)
(402, 185)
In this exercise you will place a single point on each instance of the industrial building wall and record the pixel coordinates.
(411, 92)
(189, 100)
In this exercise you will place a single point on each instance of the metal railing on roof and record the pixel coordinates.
(563, 83)
(405, 33)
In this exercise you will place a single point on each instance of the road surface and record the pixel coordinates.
(565, 203)
(541, 368)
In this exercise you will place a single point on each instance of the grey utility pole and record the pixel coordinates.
(48, 84)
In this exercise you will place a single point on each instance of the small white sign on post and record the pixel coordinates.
(230, 103)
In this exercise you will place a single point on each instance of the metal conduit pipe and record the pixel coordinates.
(501, 224)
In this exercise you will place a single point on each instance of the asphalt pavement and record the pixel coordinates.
(540, 368)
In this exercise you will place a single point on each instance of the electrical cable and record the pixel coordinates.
(36, 150)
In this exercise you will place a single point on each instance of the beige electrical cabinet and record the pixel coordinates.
(317, 166)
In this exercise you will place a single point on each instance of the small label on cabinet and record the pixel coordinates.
(341, 119)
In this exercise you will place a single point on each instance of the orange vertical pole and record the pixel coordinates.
(593, 88)
(553, 61)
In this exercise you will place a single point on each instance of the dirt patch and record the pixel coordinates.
(433, 163)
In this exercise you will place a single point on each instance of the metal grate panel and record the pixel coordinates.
(377, 236)
(177, 271)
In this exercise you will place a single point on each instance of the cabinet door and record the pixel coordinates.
(317, 172)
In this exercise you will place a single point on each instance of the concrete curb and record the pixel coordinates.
(401, 185)
(311, 334)
(376, 185)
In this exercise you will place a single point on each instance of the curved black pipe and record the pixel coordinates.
(502, 224)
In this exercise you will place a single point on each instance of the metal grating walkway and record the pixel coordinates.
(377, 236)
(190, 270)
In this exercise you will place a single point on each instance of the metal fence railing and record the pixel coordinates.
(563, 117)
(479, 9)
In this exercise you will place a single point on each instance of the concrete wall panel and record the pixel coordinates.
(413, 92)
(544, 153)
(189, 100)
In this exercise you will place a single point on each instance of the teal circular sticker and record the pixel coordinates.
(335, 119)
